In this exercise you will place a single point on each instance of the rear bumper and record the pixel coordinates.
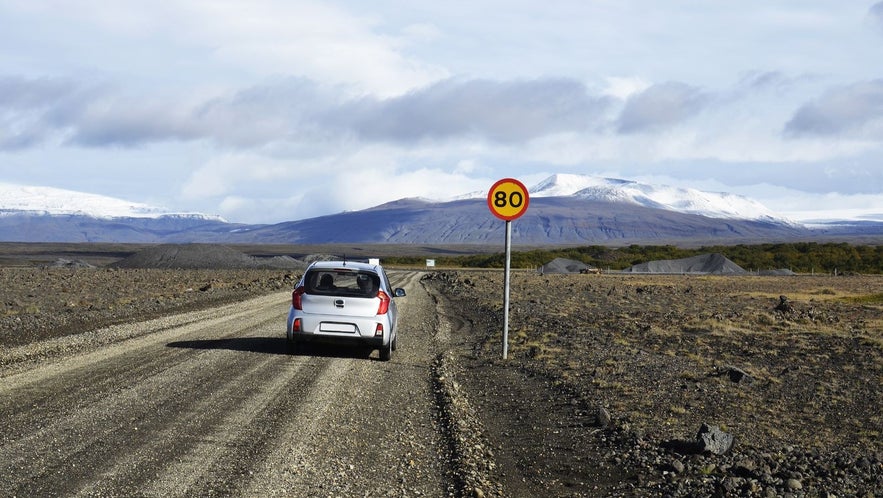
(322, 328)
(351, 340)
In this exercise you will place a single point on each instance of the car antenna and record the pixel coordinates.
(344, 259)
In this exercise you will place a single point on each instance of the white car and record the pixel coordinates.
(344, 302)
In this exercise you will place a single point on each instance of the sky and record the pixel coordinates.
(264, 111)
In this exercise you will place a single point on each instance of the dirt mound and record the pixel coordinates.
(713, 263)
(202, 256)
(563, 265)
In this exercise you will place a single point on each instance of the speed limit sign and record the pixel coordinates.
(508, 199)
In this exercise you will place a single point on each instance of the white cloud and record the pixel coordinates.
(239, 173)
(371, 187)
(623, 88)
(853, 109)
(256, 39)
(660, 106)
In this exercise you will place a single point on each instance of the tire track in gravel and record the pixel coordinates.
(61, 387)
(379, 437)
(146, 418)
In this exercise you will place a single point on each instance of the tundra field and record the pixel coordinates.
(609, 377)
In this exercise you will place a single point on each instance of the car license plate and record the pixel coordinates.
(337, 327)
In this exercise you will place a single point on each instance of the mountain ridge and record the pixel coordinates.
(39, 200)
(589, 210)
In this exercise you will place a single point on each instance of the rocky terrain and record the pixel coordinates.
(679, 385)
(615, 385)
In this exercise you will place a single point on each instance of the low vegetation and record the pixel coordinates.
(801, 257)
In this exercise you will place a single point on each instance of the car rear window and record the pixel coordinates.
(342, 283)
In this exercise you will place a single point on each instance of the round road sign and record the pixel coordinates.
(508, 199)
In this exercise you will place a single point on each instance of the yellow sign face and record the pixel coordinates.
(508, 199)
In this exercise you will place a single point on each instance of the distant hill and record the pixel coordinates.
(558, 220)
(35, 227)
(564, 209)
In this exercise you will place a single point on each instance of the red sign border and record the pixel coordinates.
(490, 203)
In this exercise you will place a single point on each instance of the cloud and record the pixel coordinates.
(39, 110)
(294, 110)
(300, 111)
(31, 108)
(229, 41)
(875, 14)
(623, 88)
(840, 111)
(659, 106)
(769, 80)
(22, 93)
(505, 112)
(118, 122)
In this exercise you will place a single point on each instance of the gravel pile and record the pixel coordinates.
(203, 256)
(716, 264)
(563, 265)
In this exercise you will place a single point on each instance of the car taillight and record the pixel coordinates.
(296, 326)
(384, 303)
(378, 330)
(296, 301)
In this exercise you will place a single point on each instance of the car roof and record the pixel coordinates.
(350, 265)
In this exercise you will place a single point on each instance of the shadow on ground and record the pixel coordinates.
(272, 345)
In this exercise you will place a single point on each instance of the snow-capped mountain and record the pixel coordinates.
(21, 199)
(681, 200)
(564, 209)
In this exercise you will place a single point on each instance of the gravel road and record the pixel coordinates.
(211, 403)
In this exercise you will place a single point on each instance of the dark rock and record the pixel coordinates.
(784, 305)
(744, 468)
(713, 440)
(739, 376)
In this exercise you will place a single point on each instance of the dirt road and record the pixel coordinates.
(211, 403)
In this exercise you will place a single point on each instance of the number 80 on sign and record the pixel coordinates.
(508, 199)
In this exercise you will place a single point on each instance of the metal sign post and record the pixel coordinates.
(507, 200)
(506, 290)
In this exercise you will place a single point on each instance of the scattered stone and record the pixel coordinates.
(784, 305)
(713, 440)
(794, 484)
(744, 468)
(739, 376)
(677, 466)
(602, 417)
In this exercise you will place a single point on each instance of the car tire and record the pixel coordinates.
(395, 341)
(386, 351)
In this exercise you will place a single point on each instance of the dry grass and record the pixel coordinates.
(656, 349)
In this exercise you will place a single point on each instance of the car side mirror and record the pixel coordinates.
(399, 292)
